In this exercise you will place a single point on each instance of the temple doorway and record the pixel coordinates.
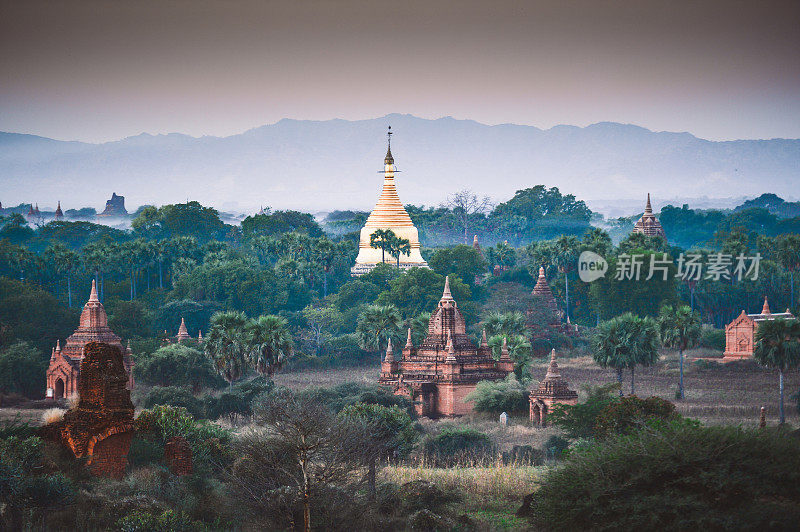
(59, 389)
(539, 413)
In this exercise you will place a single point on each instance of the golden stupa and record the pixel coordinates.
(388, 213)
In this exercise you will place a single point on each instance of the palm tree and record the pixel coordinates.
(270, 344)
(788, 253)
(777, 346)
(505, 324)
(377, 325)
(566, 256)
(326, 252)
(625, 342)
(679, 327)
(381, 238)
(65, 260)
(228, 344)
(519, 349)
(399, 246)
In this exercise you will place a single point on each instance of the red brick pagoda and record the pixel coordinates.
(553, 390)
(740, 333)
(648, 224)
(65, 364)
(440, 373)
(545, 296)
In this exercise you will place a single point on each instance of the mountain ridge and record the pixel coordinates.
(332, 164)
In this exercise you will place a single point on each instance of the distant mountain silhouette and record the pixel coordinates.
(334, 164)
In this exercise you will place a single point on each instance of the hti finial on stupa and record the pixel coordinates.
(648, 208)
(58, 346)
(389, 159)
(446, 295)
(765, 308)
(504, 355)
(93, 293)
(389, 352)
(552, 370)
(409, 343)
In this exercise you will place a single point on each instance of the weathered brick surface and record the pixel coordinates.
(100, 428)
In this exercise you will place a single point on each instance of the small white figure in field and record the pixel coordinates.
(504, 419)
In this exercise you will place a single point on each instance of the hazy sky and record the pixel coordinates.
(101, 70)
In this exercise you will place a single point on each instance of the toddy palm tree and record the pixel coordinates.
(377, 325)
(679, 327)
(270, 344)
(382, 238)
(625, 342)
(399, 246)
(227, 344)
(777, 346)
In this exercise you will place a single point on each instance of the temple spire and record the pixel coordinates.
(446, 295)
(389, 159)
(484, 343)
(389, 352)
(409, 343)
(648, 209)
(765, 308)
(504, 355)
(552, 370)
(93, 293)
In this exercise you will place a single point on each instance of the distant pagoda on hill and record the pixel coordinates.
(388, 213)
(648, 224)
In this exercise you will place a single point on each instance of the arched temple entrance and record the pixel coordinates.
(59, 389)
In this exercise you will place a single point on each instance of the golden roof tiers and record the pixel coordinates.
(388, 213)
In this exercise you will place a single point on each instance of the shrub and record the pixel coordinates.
(500, 396)
(51, 415)
(178, 365)
(678, 477)
(578, 421)
(349, 393)
(555, 445)
(144, 451)
(455, 444)
(167, 521)
(175, 396)
(208, 440)
(631, 412)
(712, 338)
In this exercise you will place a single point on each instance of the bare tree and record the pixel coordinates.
(464, 205)
(303, 449)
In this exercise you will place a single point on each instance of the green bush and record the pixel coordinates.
(167, 521)
(555, 445)
(457, 445)
(578, 421)
(630, 413)
(175, 396)
(350, 393)
(208, 440)
(500, 396)
(178, 365)
(678, 477)
(712, 338)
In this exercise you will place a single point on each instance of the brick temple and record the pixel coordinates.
(648, 224)
(440, 373)
(553, 390)
(741, 332)
(545, 298)
(64, 369)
